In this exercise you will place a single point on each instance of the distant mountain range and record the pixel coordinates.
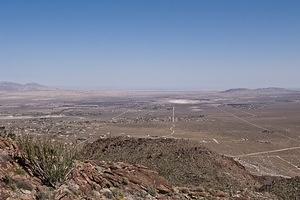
(258, 91)
(14, 87)
(7, 86)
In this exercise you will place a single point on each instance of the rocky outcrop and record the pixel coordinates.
(115, 181)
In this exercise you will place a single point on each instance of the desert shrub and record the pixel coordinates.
(44, 195)
(118, 194)
(9, 181)
(20, 171)
(152, 191)
(50, 160)
(21, 184)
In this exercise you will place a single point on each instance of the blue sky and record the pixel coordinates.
(151, 44)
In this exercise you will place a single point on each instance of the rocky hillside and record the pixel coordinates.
(98, 179)
(188, 164)
(182, 162)
(88, 180)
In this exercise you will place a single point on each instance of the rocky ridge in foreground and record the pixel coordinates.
(95, 179)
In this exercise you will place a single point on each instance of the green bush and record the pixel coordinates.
(50, 160)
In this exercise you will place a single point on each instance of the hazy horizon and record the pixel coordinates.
(95, 88)
(151, 45)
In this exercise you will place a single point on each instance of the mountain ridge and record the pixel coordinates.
(8, 86)
(257, 90)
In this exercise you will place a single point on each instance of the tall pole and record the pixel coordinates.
(173, 118)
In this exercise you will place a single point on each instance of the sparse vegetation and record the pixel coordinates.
(182, 162)
(285, 188)
(20, 171)
(152, 191)
(118, 194)
(50, 160)
(9, 182)
(21, 184)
